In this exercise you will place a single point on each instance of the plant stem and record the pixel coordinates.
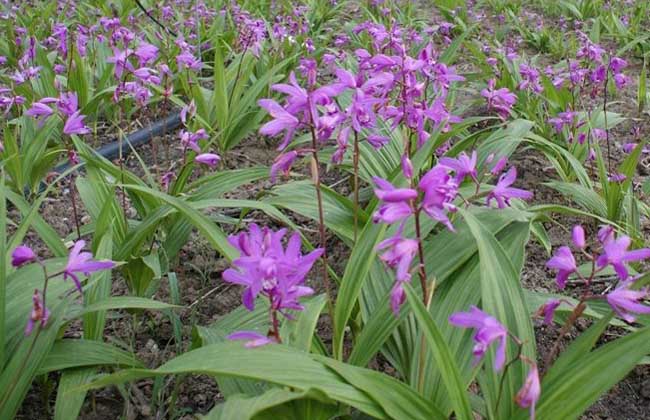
(503, 376)
(355, 160)
(421, 268)
(74, 206)
(150, 16)
(609, 156)
(315, 174)
(577, 312)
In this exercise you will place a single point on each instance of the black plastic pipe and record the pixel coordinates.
(133, 140)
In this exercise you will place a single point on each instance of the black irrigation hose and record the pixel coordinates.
(133, 140)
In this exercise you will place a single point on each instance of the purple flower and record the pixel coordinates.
(396, 202)
(146, 53)
(578, 236)
(397, 297)
(439, 192)
(75, 125)
(407, 166)
(488, 330)
(209, 159)
(22, 255)
(265, 267)
(625, 301)
(186, 60)
(188, 110)
(548, 310)
(530, 391)
(503, 192)
(253, 339)
(463, 165)
(499, 166)
(621, 80)
(282, 120)
(616, 255)
(39, 313)
(617, 64)
(39, 111)
(283, 164)
(605, 234)
(388, 193)
(82, 262)
(565, 264)
(377, 141)
(68, 103)
(501, 100)
(399, 254)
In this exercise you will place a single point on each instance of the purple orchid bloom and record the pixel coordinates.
(265, 267)
(396, 202)
(253, 339)
(548, 310)
(22, 255)
(625, 301)
(40, 111)
(210, 159)
(488, 330)
(616, 255)
(82, 262)
(39, 314)
(146, 53)
(578, 237)
(529, 393)
(388, 193)
(503, 192)
(501, 100)
(283, 163)
(440, 189)
(463, 165)
(282, 120)
(399, 254)
(565, 264)
(75, 125)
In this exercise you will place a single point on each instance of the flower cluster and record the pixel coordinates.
(625, 299)
(266, 267)
(68, 106)
(489, 330)
(434, 196)
(78, 262)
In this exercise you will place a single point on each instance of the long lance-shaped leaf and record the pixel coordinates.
(445, 362)
(502, 296)
(581, 383)
(66, 354)
(362, 257)
(211, 231)
(373, 393)
(275, 403)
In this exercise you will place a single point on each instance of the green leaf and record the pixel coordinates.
(356, 271)
(442, 355)
(211, 232)
(69, 353)
(219, 100)
(502, 297)
(274, 404)
(298, 333)
(398, 399)
(68, 407)
(125, 302)
(21, 368)
(589, 376)
(276, 364)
